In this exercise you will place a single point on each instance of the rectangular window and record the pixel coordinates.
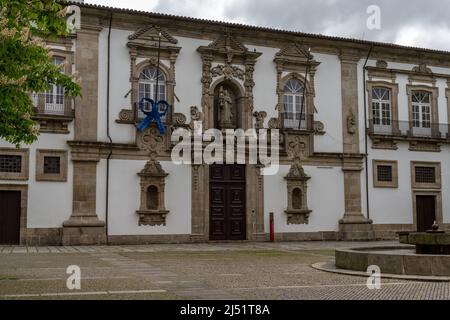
(10, 163)
(52, 165)
(384, 173)
(14, 164)
(425, 174)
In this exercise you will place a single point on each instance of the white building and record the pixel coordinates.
(92, 177)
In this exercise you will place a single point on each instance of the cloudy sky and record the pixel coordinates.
(408, 22)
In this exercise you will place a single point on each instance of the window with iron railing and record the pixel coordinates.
(381, 109)
(294, 105)
(421, 111)
(53, 101)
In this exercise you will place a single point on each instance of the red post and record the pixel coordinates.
(272, 228)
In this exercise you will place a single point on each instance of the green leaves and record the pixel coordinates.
(26, 65)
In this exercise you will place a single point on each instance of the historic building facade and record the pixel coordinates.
(364, 138)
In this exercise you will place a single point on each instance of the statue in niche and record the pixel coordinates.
(225, 109)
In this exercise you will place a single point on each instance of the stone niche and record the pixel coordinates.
(297, 210)
(152, 211)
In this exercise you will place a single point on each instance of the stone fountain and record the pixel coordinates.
(423, 254)
(433, 241)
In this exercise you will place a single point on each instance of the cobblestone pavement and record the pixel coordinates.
(195, 271)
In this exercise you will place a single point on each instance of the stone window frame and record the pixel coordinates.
(169, 85)
(434, 91)
(56, 123)
(143, 45)
(41, 154)
(24, 172)
(309, 93)
(393, 87)
(385, 184)
(436, 165)
(23, 188)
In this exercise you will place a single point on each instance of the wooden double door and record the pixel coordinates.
(227, 202)
(10, 217)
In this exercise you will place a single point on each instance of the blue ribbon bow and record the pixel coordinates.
(154, 115)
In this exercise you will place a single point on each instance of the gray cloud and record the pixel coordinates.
(409, 22)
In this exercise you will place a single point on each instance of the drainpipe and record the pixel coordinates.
(107, 130)
(366, 132)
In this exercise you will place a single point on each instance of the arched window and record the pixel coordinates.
(297, 199)
(152, 198)
(147, 85)
(294, 106)
(54, 97)
(381, 106)
(421, 109)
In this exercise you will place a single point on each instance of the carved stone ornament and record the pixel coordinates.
(179, 119)
(422, 68)
(382, 64)
(274, 123)
(296, 147)
(351, 123)
(260, 116)
(150, 140)
(126, 116)
(196, 119)
(319, 128)
(228, 71)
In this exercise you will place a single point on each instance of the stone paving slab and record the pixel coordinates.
(194, 247)
(196, 271)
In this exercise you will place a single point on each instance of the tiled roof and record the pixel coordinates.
(257, 28)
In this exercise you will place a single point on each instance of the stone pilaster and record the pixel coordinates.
(83, 226)
(255, 203)
(349, 83)
(200, 177)
(353, 226)
(86, 63)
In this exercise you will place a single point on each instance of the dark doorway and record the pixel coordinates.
(227, 202)
(9, 217)
(426, 212)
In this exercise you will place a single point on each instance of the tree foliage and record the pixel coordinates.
(26, 64)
